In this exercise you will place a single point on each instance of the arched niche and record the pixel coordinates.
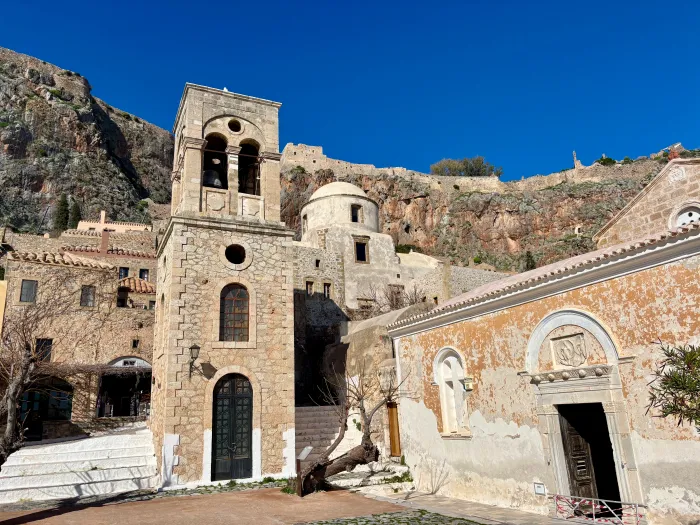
(574, 318)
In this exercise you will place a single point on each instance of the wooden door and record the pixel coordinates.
(579, 461)
(394, 439)
(233, 429)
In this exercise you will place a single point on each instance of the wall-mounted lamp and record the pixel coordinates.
(194, 354)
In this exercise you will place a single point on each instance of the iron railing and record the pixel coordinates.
(598, 510)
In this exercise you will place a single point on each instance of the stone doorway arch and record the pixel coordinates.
(573, 359)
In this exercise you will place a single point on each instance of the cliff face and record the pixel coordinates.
(552, 216)
(56, 138)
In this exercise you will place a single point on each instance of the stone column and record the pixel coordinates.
(191, 180)
(232, 152)
(270, 184)
(175, 179)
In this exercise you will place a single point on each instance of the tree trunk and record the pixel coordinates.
(362, 454)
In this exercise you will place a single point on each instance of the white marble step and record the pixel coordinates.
(59, 457)
(77, 490)
(114, 441)
(75, 465)
(76, 478)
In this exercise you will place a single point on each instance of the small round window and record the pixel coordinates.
(234, 125)
(235, 254)
(687, 216)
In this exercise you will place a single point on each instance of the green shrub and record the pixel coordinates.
(406, 248)
(627, 160)
(477, 259)
(41, 152)
(56, 92)
(606, 161)
(4, 124)
(290, 487)
(125, 115)
(268, 479)
(467, 167)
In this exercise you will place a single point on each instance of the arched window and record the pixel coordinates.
(687, 215)
(449, 375)
(215, 163)
(233, 324)
(249, 169)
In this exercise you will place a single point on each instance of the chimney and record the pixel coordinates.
(103, 217)
(104, 243)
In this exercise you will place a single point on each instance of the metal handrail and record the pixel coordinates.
(608, 511)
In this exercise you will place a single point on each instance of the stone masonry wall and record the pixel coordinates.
(81, 335)
(184, 404)
(655, 209)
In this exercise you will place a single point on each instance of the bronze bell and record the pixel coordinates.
(212, 179)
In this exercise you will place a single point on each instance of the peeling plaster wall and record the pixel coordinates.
(504, 455)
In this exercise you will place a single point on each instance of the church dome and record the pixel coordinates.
(337, 188)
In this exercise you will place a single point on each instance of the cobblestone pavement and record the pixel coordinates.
(416, 517)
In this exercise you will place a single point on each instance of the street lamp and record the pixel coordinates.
(194, 354)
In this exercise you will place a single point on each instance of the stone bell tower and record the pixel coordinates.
(223, 388)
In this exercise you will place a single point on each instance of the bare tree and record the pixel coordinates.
(365, 393)
(25, 356)
(388, 297)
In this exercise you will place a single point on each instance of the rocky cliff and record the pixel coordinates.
(56, 138)
(477, 220)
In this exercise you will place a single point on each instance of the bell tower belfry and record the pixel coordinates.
(223, 359)
(226, 156)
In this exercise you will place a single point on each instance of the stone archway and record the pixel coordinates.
(572, 360)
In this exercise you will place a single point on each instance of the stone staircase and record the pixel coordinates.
(317, 426)
(109, 464)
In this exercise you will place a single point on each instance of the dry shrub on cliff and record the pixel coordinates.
(467, 167)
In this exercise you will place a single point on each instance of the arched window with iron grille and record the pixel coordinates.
(233, 324)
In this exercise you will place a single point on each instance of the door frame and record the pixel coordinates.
(605, 389)
(207, 446)
(231, 423)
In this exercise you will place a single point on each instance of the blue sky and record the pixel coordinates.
(399, 83)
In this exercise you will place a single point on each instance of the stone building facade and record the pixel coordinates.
(72, 306)
(672, 199)
(223, 393)
(345, 269)
(540, 380)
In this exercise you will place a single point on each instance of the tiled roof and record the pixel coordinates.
(521, 280)
(112, 250)
(136, 285)
(61, 259)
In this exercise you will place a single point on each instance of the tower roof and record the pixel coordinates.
(337, 188)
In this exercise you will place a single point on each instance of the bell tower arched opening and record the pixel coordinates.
(215, 163)
(249, 169)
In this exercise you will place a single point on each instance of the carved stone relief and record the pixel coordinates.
(569, 350)
(570, 346)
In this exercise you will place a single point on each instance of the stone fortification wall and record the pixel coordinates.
(465, 279)
(312, 159)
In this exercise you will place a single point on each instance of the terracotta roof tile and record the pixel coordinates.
(514, 282)
(60, 259)
(136, 285)
(112, 250)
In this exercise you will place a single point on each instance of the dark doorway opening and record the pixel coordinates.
(232, 446)
(124, 395)
(589, 455)
(215, 163)
(249, 170)
(49, 399)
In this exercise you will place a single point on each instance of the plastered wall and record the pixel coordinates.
(508, 449)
